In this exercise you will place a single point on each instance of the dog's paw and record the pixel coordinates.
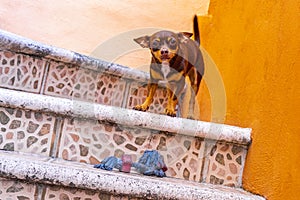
(191, 117)
(141, 108)
(171, 113)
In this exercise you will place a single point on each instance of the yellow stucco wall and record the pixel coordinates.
(255, 45)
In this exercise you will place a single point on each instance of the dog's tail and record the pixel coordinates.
(196, 30)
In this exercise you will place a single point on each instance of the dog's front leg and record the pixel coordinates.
(151, 91)
(172, 102)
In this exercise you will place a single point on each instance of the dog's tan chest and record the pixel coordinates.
(165, 69)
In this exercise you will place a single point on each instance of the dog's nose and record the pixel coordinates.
(164, 51)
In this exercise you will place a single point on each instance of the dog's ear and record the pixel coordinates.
(187, 34)
(184, 36)
(144, 41)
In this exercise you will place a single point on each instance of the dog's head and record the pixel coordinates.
(164, 45)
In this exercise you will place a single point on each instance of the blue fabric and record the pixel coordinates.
(151, 164)
(109, 163)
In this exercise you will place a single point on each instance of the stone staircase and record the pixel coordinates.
(62, 112)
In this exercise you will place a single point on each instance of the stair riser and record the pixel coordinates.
(16, 189)
(90, 141)
(48, 77)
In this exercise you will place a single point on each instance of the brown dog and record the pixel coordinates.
(174, 57)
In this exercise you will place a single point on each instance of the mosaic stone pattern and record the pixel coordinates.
(63, 193)
(90, 142)
(183, 155)
(21, 72)
(26, 131)
(10, 190)
(226, 164)
(110, 90)
(138, 94)
(78, 83)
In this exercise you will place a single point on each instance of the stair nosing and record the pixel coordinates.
(19, 44)
(123, 116)
(45, 170)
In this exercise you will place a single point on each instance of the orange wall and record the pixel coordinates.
(255, 45)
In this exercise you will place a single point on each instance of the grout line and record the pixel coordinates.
(205, 160)
(243, 159)
(40, 192)
(202, 158)
(126, 94)
(56, 141)
(44, 78)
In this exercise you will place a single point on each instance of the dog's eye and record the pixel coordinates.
(173, 43)
(155, 45)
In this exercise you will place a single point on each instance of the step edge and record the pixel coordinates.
(127, 117)
(51, 171)
(18, 44)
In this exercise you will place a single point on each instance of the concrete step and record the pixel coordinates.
(53, 172)
(88, 132)
(30, 66)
